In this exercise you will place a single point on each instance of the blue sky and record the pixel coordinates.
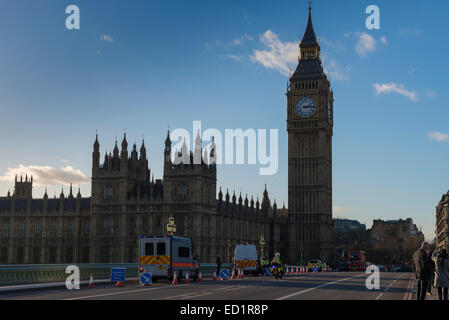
(147, 65)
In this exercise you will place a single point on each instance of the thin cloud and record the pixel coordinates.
(431, 93)
(340, 210)
(411, 32)
(278, 55)
(235, 42)
(334, 45)
(46, 175)
(366, 43)
(334, 69)
(106, 38)
(234, 57)
(438, 136)
(393, 87)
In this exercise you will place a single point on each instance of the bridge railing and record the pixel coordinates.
(44, 273)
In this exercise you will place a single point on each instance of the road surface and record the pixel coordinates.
(311, 286)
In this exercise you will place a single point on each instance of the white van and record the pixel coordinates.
(245, 258)
(162, 255)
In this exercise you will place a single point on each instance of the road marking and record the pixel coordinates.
(388, 288)
(197, 295)
(189, 295)
(317, 287)
(408, 293)
(125, 292)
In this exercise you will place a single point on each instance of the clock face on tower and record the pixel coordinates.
(305, 107)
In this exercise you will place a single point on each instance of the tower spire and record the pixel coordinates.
(309, 39)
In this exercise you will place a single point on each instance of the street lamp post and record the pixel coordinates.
(171, 226)
(262, 244)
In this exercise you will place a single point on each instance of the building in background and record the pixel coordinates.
(126, 203)
(393, 241)
(442, 223)
(348, 235)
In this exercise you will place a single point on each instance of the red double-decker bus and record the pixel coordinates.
(356, 260)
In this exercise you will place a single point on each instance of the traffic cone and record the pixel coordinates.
(215, 276)
(187, 280)
(233, 274)
(200, 276)
(91, 281)
(242, 274)
(119, 284)
(297, 270)
(286, 272)
(175, 278)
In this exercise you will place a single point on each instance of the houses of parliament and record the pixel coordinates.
(126, 201)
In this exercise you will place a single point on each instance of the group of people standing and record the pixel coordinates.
(431, 269)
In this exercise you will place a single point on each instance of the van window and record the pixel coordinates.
(183, 252)
(149, 251)
(161, 248)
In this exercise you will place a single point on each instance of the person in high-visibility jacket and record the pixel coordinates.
(277, 259)
(264, 264)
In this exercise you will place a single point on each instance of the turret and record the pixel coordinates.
(265, 201)
(134, 156)
(124, 153)
(61, 200)
(96, 156)
(116, 151)
(23, 189)
(220, 195)
(124, 156)
(45, 204)
(70, 193)
(213, 153)
(78, 200)
(167, 153)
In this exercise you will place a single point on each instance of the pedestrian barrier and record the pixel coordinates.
(46, 273)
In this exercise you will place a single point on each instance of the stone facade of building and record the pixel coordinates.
(442, 223)
(310, 129)
(126, 202)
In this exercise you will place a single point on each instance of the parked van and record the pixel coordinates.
(246, 259)
(162, 255)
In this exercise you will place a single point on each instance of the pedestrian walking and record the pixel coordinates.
(218, 262)
(432, 273)
(422, 269)
(441, 281)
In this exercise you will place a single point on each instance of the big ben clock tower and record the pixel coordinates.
(309, 127)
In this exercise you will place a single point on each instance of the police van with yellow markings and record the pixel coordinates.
(246, 259)
(162, 255)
